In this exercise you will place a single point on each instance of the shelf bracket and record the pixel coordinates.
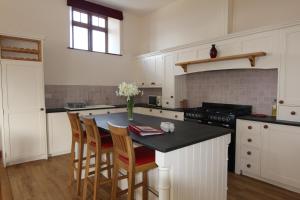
(252, 60)
(184, 67)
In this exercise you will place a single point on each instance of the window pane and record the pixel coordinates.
(95, 21)
(114, 36)
(98, 41)
(84, 18)
(102, 22)
(76, 16)
(80, 38)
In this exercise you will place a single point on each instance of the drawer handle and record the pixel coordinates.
(249, 153)
(152, 83)
(90, 113)
(160, 111)
(167, 102)
(293, 113)
(249, 140)
(172, 97)
(176, 116)
(249, 127)
(143, 83)
(281, 102)
(108, 112)
(248, 166)
(266, 126)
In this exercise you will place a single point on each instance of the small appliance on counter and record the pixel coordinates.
(216, 114)
(154, 100)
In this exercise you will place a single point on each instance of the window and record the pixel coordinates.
(94, 27)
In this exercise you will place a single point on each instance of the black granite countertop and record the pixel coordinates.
(186, 133)
(56, 110)
(269, 119)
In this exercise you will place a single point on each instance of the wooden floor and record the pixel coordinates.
(47, 180)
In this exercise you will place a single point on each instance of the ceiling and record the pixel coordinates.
(139, 7)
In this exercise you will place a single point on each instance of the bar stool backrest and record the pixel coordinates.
(122, 143)
(92, 132)
(76, 125)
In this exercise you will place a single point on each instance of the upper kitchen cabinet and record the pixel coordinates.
(149, 71)
(183, 56)
(289, 95)
(168, 89)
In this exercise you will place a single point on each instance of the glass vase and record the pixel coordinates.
(130, 104)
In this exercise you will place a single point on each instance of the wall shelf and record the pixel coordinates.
(20, 50)
(250, 56)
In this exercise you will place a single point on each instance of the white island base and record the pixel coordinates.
(194, 172)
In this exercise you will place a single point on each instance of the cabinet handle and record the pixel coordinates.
(42, 109)
(150, 110)
(249, 127)
(108, 112)
(249, 140)
(172, 97)
(281, 102)
(293, 113)
(176, 116)
(249, 153)
(152, 83)
(143, 83)
(167, 102)
(266, 126)
(160, 111)
(90, 113)
(248, 166)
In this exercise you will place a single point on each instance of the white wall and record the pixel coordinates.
(50, 18)
(248, 14)
(184, 21)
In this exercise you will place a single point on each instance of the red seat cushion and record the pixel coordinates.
(106, 142)
(143, 155)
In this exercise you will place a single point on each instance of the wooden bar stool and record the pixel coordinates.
(133, 160)
(98, 145)
(79, 137)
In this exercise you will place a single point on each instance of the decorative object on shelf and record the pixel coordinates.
(129, 90)
(213, 51)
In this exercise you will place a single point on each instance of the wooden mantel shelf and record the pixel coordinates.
(250, 56)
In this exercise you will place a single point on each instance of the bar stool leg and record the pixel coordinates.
(131, 184)
(97, 174)
(108, 164)
(145, 185)
(72, 158)
(87, 170)
(115, 181)
(79, 168)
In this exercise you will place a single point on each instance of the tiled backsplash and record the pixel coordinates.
(250, 87)
(58, 95)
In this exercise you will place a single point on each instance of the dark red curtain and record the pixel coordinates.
(96, 8)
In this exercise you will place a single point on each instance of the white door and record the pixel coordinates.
(290, 67)
(280, 159)
(24, 112)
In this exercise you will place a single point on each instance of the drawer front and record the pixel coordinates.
(250, 167)
(173, 115)
(250, 153)
(249, 132)
(249, 127)
(289, 113)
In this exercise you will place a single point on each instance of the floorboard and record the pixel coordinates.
(47, 180)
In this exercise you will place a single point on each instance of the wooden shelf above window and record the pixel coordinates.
(250, 56)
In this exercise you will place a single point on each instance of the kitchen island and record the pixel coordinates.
(192, 161)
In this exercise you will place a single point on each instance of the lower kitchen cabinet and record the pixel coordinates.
(160, 113)
(269, 152)
(59, 133)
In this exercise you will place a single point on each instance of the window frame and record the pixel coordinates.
(90, 27)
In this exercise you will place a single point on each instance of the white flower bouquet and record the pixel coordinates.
(129, 90)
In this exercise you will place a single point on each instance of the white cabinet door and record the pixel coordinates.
(59, 134)
(24, 115)
(159, 70)
(290, 67)
(168, 91)
(280, 159)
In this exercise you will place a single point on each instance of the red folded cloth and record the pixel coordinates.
(144, 130)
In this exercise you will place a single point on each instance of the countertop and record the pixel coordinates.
(186, 133)
(57, 110)
(269, 119)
